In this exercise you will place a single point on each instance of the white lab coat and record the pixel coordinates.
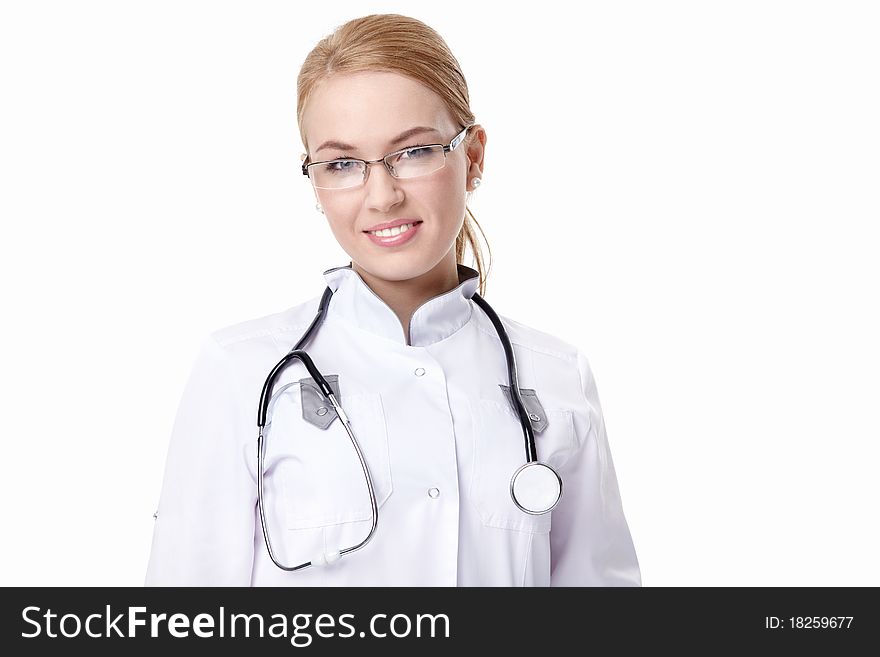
(438, 433)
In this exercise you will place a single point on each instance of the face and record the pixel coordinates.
(368, 111)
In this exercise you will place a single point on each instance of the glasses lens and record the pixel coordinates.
(417, 161)
(337, 174)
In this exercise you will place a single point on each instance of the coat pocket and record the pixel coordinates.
(317, 471)
(499, 450)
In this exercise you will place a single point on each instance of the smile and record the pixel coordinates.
(392, 232)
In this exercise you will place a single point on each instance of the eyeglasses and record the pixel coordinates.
(411, 162)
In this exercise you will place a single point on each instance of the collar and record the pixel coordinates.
(436, 319)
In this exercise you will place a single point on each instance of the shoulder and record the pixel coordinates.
(559, 369)
(547, 353)
(250, 339)
(529, 338)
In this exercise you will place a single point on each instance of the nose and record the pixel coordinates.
(381, 188)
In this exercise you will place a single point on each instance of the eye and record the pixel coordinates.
(415, 151)
(340, 166)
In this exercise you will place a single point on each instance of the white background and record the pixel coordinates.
(711, 245)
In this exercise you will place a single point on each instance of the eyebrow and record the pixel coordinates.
(401, 137)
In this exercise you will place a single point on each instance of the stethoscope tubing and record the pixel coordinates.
(513, 379)
(297, 353)
(374, 507)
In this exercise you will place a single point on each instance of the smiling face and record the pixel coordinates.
(368, 112)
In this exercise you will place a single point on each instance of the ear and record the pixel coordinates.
(475, 152)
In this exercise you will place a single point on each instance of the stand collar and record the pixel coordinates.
(436, 319)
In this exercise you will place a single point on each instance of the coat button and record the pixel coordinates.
(434, 492)
(322, 410)
(420, 371)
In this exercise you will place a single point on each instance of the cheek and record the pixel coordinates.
(342, 226)
(447, 195)
(451, 200)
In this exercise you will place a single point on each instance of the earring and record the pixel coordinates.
(319, 208)
(476, 182)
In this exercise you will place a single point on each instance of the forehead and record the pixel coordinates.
(367, 110)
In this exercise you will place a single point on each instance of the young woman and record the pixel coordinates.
(387, 455)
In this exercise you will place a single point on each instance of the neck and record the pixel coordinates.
(404, 297)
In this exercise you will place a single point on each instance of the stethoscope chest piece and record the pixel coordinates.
(536, 488)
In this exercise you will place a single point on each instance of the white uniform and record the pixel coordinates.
(439, 435)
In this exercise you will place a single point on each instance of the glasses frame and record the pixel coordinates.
(446, 149)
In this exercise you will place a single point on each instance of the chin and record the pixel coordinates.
(396, 266)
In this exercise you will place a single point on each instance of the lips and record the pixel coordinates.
(392, 224)
(399, 240)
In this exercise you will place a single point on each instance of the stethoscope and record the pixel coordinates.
(535, 487)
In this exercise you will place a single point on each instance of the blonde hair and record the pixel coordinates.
(397, 44)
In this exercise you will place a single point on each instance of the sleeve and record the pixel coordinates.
(590, 542)
(203, 533)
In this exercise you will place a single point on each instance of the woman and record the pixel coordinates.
(418, 367)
